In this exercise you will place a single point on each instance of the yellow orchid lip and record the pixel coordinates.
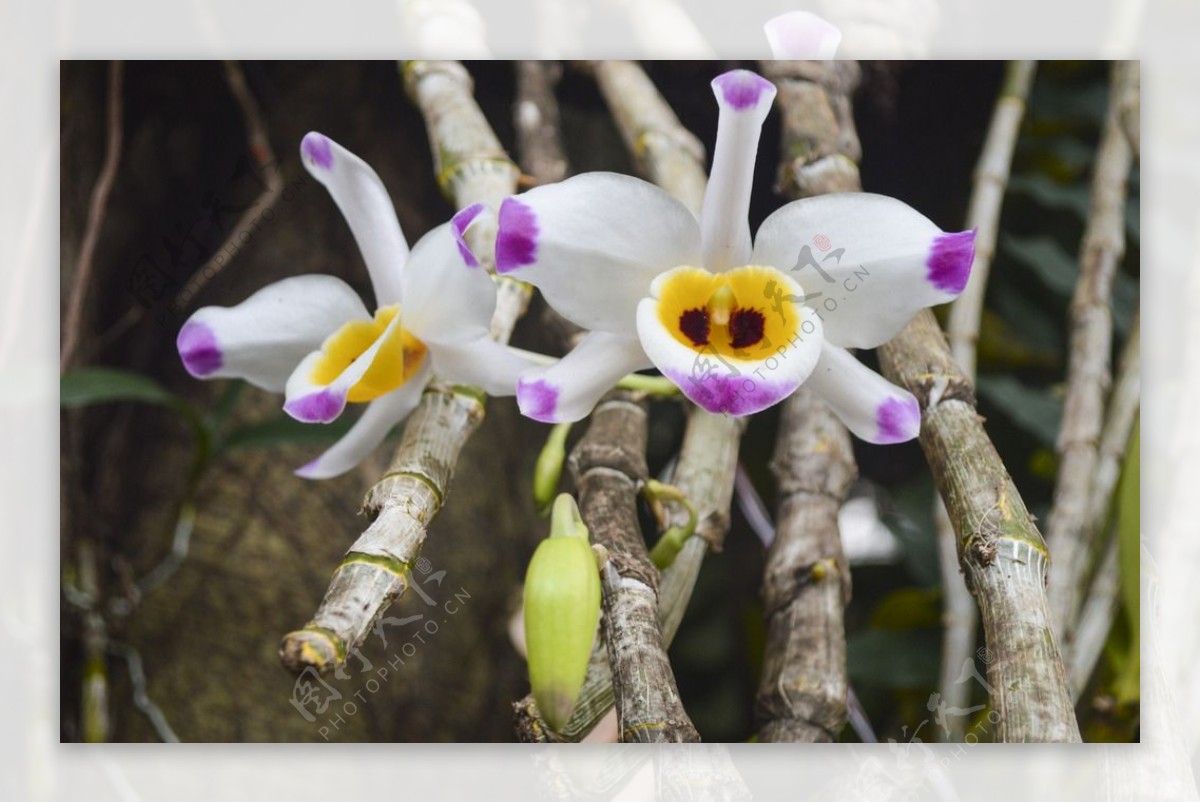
(399, 356)
(741, 313)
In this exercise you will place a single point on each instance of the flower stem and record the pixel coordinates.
(672, 540)
(471, 166)
(983, 215)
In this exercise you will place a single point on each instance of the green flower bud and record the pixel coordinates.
(562, 607)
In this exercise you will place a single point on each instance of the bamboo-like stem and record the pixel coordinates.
(983, 212)
(1123, 405)
(609, 466)
(1100, 604)
(666, 153)
(959, 616)
(820, 148)
(539, 148)
(97, 204)
(1088, 374)
(806, 581)
(673, 158)
(471, 167)
(1095, 620)
(999, 547)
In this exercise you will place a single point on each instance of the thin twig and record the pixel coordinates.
(471, 167)
(258, 144)
(806, 581)
(1071, 541)
(141, 695)
(983, 214)
(999, 547)
(665, 152)
(97, 206)
(609, 466)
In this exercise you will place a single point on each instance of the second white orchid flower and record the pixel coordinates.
(312, 337)
(737, 324)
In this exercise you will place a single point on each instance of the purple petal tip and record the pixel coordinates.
(735, 395)
(516, 236)
(897, 420)
(316, 408)
(198, 349)
(743, 89)
(317, 149)
(459, 224)
(537, 400)
(950, 261)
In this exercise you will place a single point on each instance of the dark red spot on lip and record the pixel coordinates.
(694, 324)
(745, 327)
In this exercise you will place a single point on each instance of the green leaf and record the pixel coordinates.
(1048, 260)
(1034, 410)
(1048, 192)
(1059, 271)
(85, 386)
(285, 430)
(1033, 322)
(1068, 150)
(908, 608)
(1066, 99)
(894, 659)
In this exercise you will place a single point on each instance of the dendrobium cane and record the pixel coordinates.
(312, 338)
(737, 325)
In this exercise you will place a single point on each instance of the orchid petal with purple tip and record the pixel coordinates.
(737, 323)
(312, 338)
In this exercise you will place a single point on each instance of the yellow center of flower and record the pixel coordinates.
(741, 313)
(398, 358)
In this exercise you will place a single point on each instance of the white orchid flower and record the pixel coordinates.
(312, 338)
(724, 317)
